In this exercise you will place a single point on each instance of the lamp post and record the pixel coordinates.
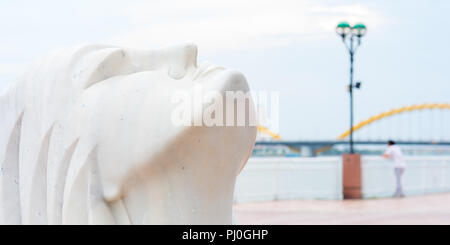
(349, 35)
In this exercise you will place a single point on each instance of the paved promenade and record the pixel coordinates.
(426, 209)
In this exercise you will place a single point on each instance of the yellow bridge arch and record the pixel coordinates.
(268, 132)
(394, 112)
(441, 106)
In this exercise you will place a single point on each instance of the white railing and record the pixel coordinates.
(423, 175)
(268, 179)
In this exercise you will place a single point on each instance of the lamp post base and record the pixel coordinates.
(351, 176)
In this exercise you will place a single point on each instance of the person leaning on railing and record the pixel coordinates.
(394, 153)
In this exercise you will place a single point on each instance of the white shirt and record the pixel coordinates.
(395, 154)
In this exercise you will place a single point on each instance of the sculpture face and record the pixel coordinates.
(98, 144)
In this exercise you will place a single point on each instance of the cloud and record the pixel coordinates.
(215, 26)
(236, 25)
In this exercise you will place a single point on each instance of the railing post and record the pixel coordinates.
(351, 176)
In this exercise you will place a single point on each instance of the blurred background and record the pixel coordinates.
(288, 46)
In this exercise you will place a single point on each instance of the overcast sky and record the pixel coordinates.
(288, 46)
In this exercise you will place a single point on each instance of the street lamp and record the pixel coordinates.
(349, 34)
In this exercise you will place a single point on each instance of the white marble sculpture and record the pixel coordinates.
(86, 137)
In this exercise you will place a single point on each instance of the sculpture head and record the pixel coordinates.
(114, 152)
(161, 172)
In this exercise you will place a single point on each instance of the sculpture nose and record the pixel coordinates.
(233, 81)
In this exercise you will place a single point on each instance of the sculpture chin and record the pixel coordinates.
(100, 124)
(188, 185)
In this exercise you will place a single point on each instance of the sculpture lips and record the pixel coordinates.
(206, 68)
